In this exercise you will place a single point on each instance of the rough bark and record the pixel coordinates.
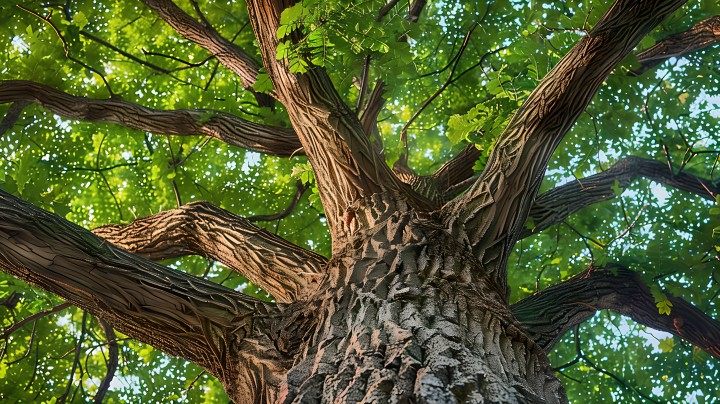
(550, 313)
(182, 122)
(224, 331)
(346, 165)
(403, 318)
(699, 36)
(412, 307)
(233, 57)
(559, 203)
(492, 213)
(281, 268)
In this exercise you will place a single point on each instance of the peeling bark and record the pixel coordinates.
(182, 122)
(285, 270)
(550, 313)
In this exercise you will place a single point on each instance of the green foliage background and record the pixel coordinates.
(95, 174)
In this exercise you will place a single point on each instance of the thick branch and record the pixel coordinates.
(492, 213)
(699, 36)
(230, 55)
(284, 270)
(557, 204)
(183, 122)
(177, 313)
(345, 163)
(547, 315)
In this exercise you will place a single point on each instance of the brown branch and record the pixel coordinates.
(557, 204)
(300, 190)
(6, 332)
(548, 314)
(230, 55)
(345, 163)
(492, 213)
(112, 361)
(416, 7)
(177, 313)
(182, 122)
(284, 270)
(76, 360)
(699, 36)
(12, 115)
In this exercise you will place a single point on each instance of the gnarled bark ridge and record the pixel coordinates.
(413, 304)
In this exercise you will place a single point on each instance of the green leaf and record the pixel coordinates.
(263, 84)
(664, 306)
(666, 344)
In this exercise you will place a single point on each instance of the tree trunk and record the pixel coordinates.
(403, 317)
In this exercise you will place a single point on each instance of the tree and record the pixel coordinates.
(430, 281)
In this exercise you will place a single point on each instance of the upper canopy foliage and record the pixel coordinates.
(486, 58)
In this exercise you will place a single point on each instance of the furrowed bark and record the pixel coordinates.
(182, 122)
(699, 36)
(550, 313)
(286, 271)
(222, 330)
(346, 165)
(557, 204)
(401, 317)
(230, 55)
(493, 212)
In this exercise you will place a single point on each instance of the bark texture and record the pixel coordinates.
(281, 268)
(182, 122)
(552, 312)
(413, 304)
(402, 317)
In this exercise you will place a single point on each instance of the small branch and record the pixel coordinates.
(76, 360)
(300, 190)
(12, 115)
(112, 362)
(6, 332)
(426, 103)
(66, 47)
(363, 83)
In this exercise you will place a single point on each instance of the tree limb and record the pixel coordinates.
(557, 204)
(284, 270)
(492, 213)
(182, 122)
(230, 55)
(699, 36)
(112, 361)
(346, 165)
(548, 314)
(222, 330)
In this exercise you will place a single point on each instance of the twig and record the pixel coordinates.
(66, 47)
(403, 132)
(301, 188)
(6, 333)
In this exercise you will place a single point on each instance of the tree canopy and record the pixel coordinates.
(114, 111)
